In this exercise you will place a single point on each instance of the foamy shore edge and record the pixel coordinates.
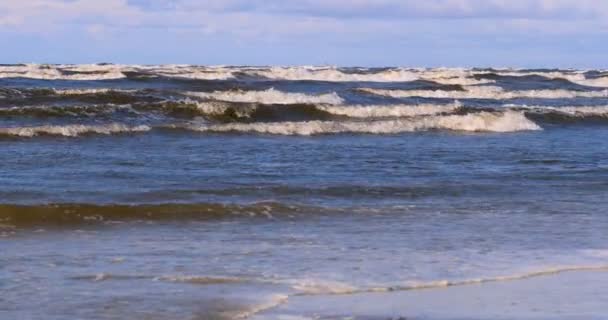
(568, 295)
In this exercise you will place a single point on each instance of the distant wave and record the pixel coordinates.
(447, 76)
(192, 72)
(577, 77)
(56, 72)
(487, 92)
(334, 75)
(476, 122)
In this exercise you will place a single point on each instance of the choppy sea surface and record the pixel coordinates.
(196, 192)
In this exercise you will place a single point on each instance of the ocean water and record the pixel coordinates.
(233, 192)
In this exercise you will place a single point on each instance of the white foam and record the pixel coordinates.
(384, 111)
(200, 279)
(220, 107)
(455, 76)
(509, 121)
(314, 287)
(193, 72)
(488, 92)
(270, 96)
(53, 72)
(452, 76)
(333, 74)
(71, 130)
(73, 92)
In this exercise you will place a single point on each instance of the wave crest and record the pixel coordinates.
(72, 130)
(270, 96)
(509, 121)
(487, 92)
(387, 111)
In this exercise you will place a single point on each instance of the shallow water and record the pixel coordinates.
(175, 192)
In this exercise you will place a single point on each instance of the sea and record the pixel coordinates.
(302, 192)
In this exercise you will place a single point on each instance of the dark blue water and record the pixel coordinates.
(185, 192)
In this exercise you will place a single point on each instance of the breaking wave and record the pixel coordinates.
(487, 92)
(270, 96)
(448, 76)
(509, 121)
(331, 74)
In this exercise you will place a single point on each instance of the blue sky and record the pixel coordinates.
(518, 33)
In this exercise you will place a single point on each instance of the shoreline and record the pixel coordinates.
(567, 295)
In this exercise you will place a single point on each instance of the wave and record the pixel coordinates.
(76, 214)
(487, 92)
(72, 130)
(294, 119)
(388, 111)
(228, 112)
(447, 76)
(452, 76)
(44, 111)
(193, 72)
(576, 77)
(334, 74)
(258, 112)
(33, 96)
(509, 121)
(88, 91)
(311, 287)
(270, 96)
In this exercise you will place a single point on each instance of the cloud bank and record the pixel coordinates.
(307, 31)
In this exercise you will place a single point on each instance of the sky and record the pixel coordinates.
(413, 33)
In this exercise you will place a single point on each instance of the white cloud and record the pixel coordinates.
(273, 19)
(400, 8)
